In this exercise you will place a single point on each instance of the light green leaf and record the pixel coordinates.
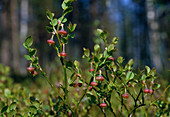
(120, 60)
(110, 47)
(130, 75)
(12, 113)
(86, 52)
(13, 106)
(96, 48)
(7, 92)
(29, 41)
(147, 69)
(54, 22)
(27, 57)
(76, 63)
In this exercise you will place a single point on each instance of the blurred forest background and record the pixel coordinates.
(143, 27)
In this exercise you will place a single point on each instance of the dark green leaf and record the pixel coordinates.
(96, 60)
(4, 109)
(32, 99)
(67, 10)
(28, 41)
(49, 14)
(72, 36)
(64, 40)
(33, 109)
(32, 52)
(49, 29)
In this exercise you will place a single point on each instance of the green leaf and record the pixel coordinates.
(130, 62)
(86, 52)
(13, 106)
(74, 27)
(115, 40)
(49, 14)
(156, 86)
(12, 113)
(114, 68)
(63, 5)
(147, 70)
(36, 104)
(33, 109)
(99, 31)
(130, 75)
(153, 72)
(35, 61)
(72, 36)
(96, 60)
(64, 20)
(4, 109)
(96, 48)
(32, 52)
(7, 92)
(27, 57)
(64, 40)
(143, 77)
(110, 47)
(32, 99)
(28, 41)
(49, 29)
(120, 60)
(92, 98)
(54, 22)
(25, 46)
(76, 63)
(67, 10)
(103, 35)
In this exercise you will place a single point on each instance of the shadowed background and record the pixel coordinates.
(143, 27)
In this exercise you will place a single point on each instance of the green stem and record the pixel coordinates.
(66, 84)
(161, 94)
(59, 38)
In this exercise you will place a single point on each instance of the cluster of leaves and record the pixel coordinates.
(119, 78)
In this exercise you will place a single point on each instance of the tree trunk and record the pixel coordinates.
(5, 52)
(23, 33)
(15, 36)
(153, 35)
